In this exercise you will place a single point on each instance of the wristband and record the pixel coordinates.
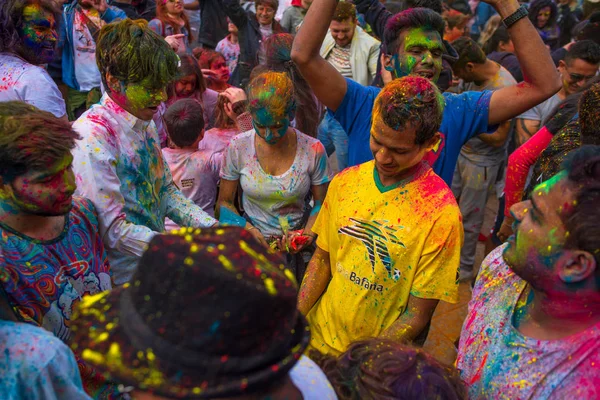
(514, 17)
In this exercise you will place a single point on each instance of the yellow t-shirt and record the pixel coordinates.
(384, 243)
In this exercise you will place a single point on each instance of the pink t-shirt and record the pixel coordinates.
(498, 362)
(196, 173)
(216, 140)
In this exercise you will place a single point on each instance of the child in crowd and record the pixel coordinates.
(217, 139)
(230, 46)
(214, 67)
(195, 172)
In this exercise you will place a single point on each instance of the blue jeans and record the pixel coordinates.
(334, 138)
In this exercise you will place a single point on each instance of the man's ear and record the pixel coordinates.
(114, 85)
(388, 62)
(576, 266)
(469, 67)
(430, 144)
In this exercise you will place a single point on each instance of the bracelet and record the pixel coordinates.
(514, 17)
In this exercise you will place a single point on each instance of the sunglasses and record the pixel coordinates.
(576, 78)
(544, 14)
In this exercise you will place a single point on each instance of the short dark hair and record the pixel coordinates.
(131, 52)
(11, 19)
(435, 5)
(407, 19)
(583, 168)
(500, 35)
(586, 50)
(468, 51)
(382, 368)
(344, 10)
(589, 115)
(184, 122)
(411, 100)
(31, 139)
(274, 4)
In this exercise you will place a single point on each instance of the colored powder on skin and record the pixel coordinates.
(401, 101)
(271, 103)
(404, 63)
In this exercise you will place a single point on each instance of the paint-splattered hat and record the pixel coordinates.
(209, 313)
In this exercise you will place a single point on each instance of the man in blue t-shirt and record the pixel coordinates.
(414, 41)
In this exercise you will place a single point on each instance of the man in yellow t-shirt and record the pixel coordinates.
(390, 231)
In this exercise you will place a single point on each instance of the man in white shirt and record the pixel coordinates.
(354, 53)
(118, 164)
(27, 41)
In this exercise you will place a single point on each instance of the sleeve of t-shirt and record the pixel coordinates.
(39, 90)
(320, 170)
(354, 114)
(437, 272)
(229, 167)
(59, 379)
(469, 113)
(519, 164)
(534, 114)
(323, 223)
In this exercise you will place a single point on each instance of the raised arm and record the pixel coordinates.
(376, 15)
(541, 77)
(326, 82)
(235, 12)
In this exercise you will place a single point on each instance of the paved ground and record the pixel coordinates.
(448, 318)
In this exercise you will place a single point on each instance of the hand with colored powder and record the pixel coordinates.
(175, 41)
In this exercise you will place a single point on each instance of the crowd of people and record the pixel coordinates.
(268, 199)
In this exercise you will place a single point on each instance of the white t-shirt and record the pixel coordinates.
(84, 49)
(311, 381)
(21, 81)
(267, 197)
(196, 173)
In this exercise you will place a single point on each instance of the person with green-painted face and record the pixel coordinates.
(118, 163)
(413, 41)
(277, 166)
(533, 325)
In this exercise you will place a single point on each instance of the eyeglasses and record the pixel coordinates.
(544, 14)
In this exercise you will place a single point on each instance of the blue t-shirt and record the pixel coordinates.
(465, 116)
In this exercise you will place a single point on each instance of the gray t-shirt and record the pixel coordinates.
(542, 111)
(21, 81)
(267, 197)
(292, 18)
(476, 150)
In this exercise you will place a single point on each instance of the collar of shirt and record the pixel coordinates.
(122, 116)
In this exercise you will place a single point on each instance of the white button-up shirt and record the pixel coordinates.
(119, 166)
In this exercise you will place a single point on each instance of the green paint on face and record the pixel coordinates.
(546, 186)
(420, 53)
(268, 126)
